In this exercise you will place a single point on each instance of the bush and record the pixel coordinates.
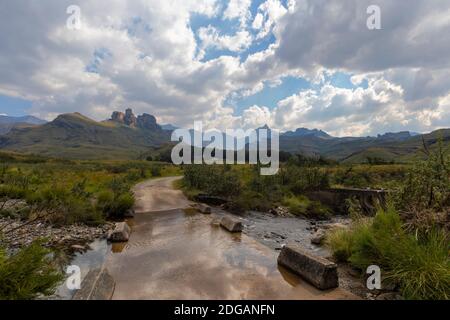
(419, 266)
(427, 185)
(114, 205)
(27, 274)
(302, 206)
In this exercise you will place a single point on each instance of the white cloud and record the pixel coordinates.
(211, 38)
(238, 9)
(154, 63)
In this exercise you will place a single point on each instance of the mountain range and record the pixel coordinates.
(7, 123)
(126, 136)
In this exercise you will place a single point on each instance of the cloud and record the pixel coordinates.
(144, 54)
(211, 38)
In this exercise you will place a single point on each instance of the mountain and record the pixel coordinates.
(7, 123)
(168, 127)
(76, 136)
(304, 132)
(397, 147)
(24, 119)
(126, 136)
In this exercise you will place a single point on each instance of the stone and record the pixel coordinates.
(231, 224)
(389, 296)
(318, 237)
(318, 271)
(203, 208)
(78, 247)
(121, 233)
(97, 285)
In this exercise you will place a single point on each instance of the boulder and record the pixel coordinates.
(231, 224)
(121, 233)
(97, 285)
(316, 270)
(318, 237)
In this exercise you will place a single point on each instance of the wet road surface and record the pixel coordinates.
(176, 253)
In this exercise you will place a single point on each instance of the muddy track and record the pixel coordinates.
(174, 253)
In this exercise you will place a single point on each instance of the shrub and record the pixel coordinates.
(114, 205)
(155, 171)
(427, 185)
(28, 273)
(302, 206)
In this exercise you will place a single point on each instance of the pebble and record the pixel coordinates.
(71, 236)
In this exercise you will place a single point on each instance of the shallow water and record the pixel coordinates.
(91, 259)
(180, 255)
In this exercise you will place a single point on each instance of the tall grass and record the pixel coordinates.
(420, 266)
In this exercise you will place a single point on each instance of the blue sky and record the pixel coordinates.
(14, 106)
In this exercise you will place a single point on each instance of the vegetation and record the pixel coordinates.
(28, 273)
(69, 191)
(409, 240)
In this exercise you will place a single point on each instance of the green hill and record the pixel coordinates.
(78, 137)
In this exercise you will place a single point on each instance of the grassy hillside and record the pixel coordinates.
(78, 137)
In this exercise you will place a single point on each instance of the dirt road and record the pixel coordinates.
(174, 253)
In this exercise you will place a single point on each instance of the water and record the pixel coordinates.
(180, 254)
(91, 259)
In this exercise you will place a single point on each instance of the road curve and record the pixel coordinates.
(159, 195)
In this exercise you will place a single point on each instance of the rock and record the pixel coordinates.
(121, 233)
(147, 121)
(318, 271)
(97, 285)
(231, 224)
(203, 208)
(336, 225)
(130, 118)
(389, 296)
(77, 247)
(280, 211)
(118, 116)
(215, 222)
(318, 237)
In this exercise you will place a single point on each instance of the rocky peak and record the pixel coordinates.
(147, 121)
(118, 116)
(130, 118)
(144, 121)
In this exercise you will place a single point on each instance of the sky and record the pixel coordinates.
(232, 63)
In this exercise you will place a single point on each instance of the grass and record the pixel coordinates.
(302, 206)
(420, 266)
(76, 191)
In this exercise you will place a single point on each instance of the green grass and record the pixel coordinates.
(77, 191)
(302, 206)
(420, 266)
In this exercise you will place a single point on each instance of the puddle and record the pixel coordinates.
(91, 259)
(178, 254)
